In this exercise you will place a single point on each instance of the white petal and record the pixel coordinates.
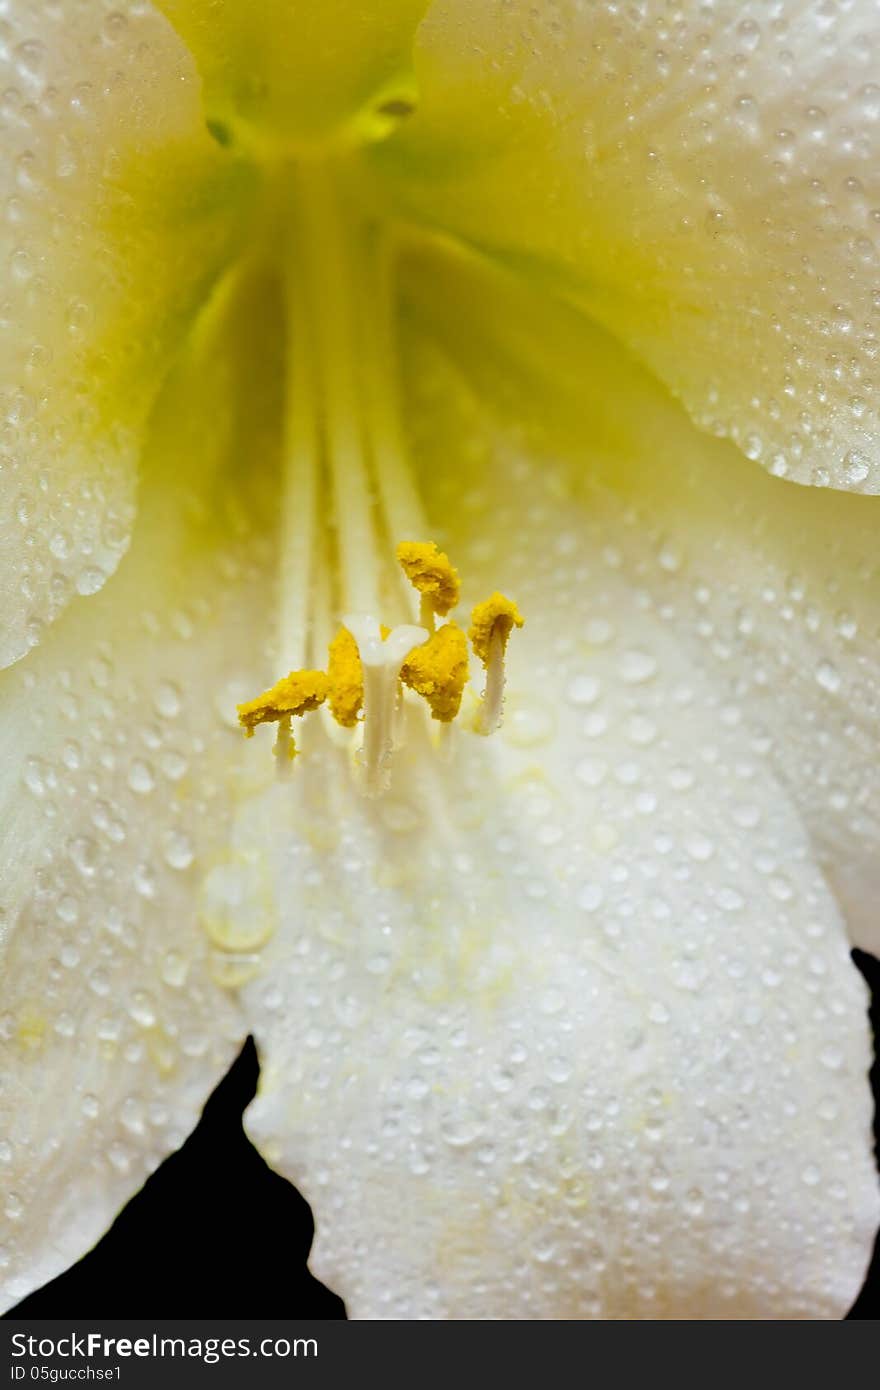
(119, 763)
(109, 239)
(776, 589)
(704, 180)
(566, 1026)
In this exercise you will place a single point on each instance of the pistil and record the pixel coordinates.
(381, 660)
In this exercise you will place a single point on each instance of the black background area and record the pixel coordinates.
(215, 1233)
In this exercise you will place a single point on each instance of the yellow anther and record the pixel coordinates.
(345, 677)
(438, 671)
(369, 663)
(491, 625)
(429, 571)
(493, 619)
(296, 693)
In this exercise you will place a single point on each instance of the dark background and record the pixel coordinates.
(215, 1233)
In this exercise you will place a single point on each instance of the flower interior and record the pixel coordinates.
(354, 547)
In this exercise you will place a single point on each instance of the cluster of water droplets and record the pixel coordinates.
(67, 504)
(705, 180)
(120, 768)
(86, 297)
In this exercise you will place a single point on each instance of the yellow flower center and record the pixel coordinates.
(352, 520)
(368, 664)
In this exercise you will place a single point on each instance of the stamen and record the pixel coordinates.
(399, 497)
(345, 679)
(491, 625)
(284, 746)
(381, 660)
(301, 461)
(349, 496)
(438, 671)
(431, 573)
(330, 238)
(295, 694)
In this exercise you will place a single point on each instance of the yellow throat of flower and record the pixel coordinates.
(350, 503)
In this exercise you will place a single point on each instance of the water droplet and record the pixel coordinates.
(142, 1009)
(89, 581)
(119, 1157)
(236, 905)
(598, 632)
(131, 1113)
(729, 900)
(500, 1079)
(640, 730)
(140, 777)
(658, 1181)
(591, 771)
(167, 700)
(526, 727)
(114, 26)
(856, 468)
(591, 897)
(846, 626)
(173, 765)
(694, 1202)
(828, 677)
(232, 969)
(234, 692)
(583, 689)
(84, 854)
(637, 667)
(177, 850)
(460, 1126)
(681, 779)
(551, 1002)
(175, 969)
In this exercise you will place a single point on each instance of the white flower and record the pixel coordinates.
(564, 1024)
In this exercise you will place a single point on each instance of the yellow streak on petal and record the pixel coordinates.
(430, 571)
(438, 670)
(496, 617)
(32, 1027)
(345, 679)
(296, 693)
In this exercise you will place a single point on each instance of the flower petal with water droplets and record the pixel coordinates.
(775, 588)
(704, 183)
(118, 212)
(572, 1014)
(120, 760)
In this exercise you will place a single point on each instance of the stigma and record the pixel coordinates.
(373, 670)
